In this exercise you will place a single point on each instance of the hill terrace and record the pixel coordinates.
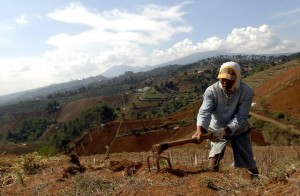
(142, 89)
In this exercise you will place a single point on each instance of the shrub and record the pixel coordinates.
(30, 164)
(259, 124)
(47, 151)
(278, 172)
(279, 115)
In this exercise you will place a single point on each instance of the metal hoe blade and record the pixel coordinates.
(157, 149)
(157, 159)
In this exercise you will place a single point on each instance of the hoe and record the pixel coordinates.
(157, 149)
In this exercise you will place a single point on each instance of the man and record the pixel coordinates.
(224, 115)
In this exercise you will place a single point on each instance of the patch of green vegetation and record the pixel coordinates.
(52, 107)
(48, 151)
(257, 123)
(274, 135)
(29, 130)
(151, 94)
(93, 116)
(278, 115)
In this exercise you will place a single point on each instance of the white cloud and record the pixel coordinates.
(23, 74)
(151, 25)
(287, 13)
(21, 20)
(115, 37)
(240, 40)
(287, 19)
(122, 37)
(10, 28)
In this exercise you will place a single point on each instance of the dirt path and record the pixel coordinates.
(278, 124)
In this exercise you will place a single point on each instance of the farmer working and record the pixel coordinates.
(224, 114)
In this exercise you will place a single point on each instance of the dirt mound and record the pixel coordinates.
(129, 167)
(74, 168)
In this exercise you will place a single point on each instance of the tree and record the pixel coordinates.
(52, 107)
(29, 130)
(94, 116)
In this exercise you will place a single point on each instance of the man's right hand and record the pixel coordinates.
(200, 132)
(197, 135)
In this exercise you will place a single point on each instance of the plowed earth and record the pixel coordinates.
(128, 174)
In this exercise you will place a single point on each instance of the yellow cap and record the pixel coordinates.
(227, 73)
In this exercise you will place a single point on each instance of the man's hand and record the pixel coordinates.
(218, 135)
(200, 133)
(197, 135)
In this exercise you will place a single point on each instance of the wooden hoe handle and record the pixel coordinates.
(159, 148)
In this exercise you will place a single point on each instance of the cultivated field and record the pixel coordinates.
(112, 157)
(128, 174)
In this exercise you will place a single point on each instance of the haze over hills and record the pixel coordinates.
(121, 69)
(110, 73)
(115, 71)
(53, 88)
(171, 100)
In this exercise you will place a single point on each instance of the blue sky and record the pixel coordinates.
(53, 41)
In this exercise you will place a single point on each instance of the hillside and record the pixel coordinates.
(113, 155)
(139, 135)
(276, 93)
(173, 102)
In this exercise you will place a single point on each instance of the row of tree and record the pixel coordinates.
(134, 80)
(29, 130)
(92, 117)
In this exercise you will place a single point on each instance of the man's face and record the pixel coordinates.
(227, 84)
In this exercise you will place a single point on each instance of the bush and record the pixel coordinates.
(49, 151)
(31, 165)
(258, 124)
(93, 116)
(29, 130)
(279, 116)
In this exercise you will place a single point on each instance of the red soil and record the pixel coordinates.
(277, 82)
(140, 135)
(282, 92)
(287, 100)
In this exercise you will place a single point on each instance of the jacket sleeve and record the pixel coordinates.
(206, 109)
(242, 112)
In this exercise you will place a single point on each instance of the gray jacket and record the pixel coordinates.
(219, 109)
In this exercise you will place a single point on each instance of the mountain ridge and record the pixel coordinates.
(121, 69)
(71, 85)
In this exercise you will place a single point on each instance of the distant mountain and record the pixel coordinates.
(121, 69)
(53, 88)
(192, 58)
(112, 72)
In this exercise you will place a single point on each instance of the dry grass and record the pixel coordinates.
(32, 174)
